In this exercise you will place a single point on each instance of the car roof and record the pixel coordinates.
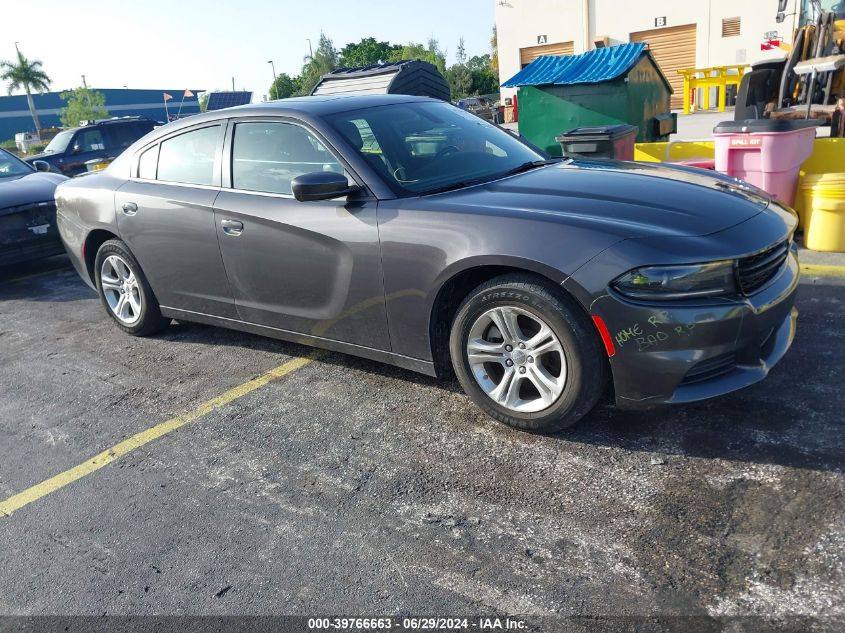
(114, 121)
(317, 105)
(302, 107)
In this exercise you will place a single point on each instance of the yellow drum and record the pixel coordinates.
(824, 211)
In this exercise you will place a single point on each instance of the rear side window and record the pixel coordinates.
(88, 141)
(266, 157)
(147, 163)
(189, 157)
(123, 135)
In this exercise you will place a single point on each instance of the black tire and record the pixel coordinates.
(586, 367)
(150, 319)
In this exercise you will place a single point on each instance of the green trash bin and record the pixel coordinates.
(606, 86)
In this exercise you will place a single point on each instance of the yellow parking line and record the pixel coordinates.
(41, 273)
(57, 482)
(823, 270)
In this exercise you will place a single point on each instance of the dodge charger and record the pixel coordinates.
(408, 231)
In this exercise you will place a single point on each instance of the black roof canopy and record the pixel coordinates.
(407, 77)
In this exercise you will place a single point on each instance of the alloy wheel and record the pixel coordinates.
(516, 359)
(121, 289)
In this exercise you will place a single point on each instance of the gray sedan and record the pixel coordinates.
(408, 231)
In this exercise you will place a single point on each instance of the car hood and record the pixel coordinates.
(36, 187)
(41, 156)
(623, 198)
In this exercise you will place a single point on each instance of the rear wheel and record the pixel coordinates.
(125, 292)
(527, 354)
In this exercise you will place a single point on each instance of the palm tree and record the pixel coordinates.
(26, 74)
(494, 56)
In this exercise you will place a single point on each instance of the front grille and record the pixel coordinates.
(755, 271)
(710, 368)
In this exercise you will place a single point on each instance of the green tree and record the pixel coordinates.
(27, 74)
(83, 104)
(459, 76)
(285, 86)
(494, 51)
(479, 62)
(367, 51)
(485, 80)
(430, 53)
(203, 101)
(324, 60)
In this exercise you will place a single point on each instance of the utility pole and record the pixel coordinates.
(87, 94)
(273, 66)
(233, 84)
(310, 50)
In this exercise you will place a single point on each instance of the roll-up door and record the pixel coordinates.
(673, 48)
(530, 53)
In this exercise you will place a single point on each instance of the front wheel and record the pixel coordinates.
(125, 292)
(527, 354)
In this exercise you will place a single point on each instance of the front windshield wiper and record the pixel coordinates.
(477, 181)
(531, 164)
(454, 185)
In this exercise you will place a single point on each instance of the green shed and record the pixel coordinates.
(605, 86)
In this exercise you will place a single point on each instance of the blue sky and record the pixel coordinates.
(203, 43)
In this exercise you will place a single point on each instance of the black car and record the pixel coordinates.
(27, 210)
(104, 139)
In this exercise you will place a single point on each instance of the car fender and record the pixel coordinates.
(462, 266)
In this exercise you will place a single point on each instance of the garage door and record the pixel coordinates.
(530, 53)
(673, 48)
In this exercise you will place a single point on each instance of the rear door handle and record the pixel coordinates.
(232, 227)
(130, 208)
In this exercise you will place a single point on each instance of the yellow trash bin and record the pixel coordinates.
(824, 211)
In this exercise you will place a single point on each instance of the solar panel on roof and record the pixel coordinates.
(220, 100)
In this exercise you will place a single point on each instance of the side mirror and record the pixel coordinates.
(321, 185)
(780, 17)
(41, 165)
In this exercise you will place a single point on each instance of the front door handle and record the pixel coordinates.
(130, 208)
(232, 227)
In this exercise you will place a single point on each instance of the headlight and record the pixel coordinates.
(687, 281)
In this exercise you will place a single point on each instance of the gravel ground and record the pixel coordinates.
(355, 488)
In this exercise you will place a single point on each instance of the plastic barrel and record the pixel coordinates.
(824, 211)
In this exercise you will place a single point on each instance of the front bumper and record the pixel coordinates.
(678, 352)
(673, 354)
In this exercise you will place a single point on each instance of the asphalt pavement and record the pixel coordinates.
(339, 485)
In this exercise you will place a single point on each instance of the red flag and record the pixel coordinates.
(167, 97)
(188, 93)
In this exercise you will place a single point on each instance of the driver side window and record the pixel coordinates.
(267, 156)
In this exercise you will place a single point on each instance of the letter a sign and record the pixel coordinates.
(542, 39)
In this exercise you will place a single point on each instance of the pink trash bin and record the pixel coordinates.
(767, 153)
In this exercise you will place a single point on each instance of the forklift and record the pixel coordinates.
(810, 83)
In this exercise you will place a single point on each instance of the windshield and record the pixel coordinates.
(421, 147)
(59, 142)
(811, 7)
(12, 166)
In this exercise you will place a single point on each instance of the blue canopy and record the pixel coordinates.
(597, 65)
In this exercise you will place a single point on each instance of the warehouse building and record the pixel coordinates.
(15, 116)
(699, 34)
